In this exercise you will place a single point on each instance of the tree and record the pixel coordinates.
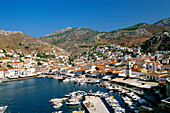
(20, 44)
(39, 63)
(71, 59)
(27, 47)
(119, 60)
(96, 68)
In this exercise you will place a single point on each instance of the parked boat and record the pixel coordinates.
(56, 100)
(2, 109)
(14, 77)
(117, 88)
(57, 105)
(72, 103)
(109, 88)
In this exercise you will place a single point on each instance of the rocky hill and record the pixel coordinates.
(71, 39)
(160, 42)
(164, 22)
(19, 41)
(79, 39)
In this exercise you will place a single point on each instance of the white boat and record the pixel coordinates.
(57, 112)
(73, 103)
(2, 109)
(22, 76)
(67, 95)
(109, 88)
(56, 100)
(117, 88)
(66, 80)
(14, 77)
(119, 110)
(57, 105)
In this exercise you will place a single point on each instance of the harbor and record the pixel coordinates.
(68, 96)
(37, 93)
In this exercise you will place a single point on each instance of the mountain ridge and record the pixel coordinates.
(78, 39)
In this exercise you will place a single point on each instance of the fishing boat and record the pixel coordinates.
(57, 105)
(2, 109)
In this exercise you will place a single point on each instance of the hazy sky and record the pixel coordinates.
(41, 17)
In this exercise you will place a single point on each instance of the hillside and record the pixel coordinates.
(71, 39)
(164, 22)
(78, 39)
(19, 41)
(160, 42)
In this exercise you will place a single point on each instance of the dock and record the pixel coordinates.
(95, 105)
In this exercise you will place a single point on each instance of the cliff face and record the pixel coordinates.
(19, 41)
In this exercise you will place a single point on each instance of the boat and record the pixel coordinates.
(2, 109)
(119, 110)
(57, 105)
(61, 78)
(57, 112)
(66, 80)
(117, 88)
(22, 76)
(50, 76)
(56, 100)
(78, 111)
(73, 103)
(14, 77)
(145, 109)
(109, 88)
(64, 99)
(67, 95)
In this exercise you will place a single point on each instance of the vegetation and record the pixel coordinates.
(58, 41)
(27, 47)
(133, 27)
(39, 63)
(20, 44)
(9, 66)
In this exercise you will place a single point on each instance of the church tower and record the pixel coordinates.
(128, 69)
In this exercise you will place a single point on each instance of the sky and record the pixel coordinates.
(41, 17)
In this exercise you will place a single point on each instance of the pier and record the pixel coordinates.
(95, 105)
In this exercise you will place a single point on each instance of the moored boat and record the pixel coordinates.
(57, 105)
(2, 109)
